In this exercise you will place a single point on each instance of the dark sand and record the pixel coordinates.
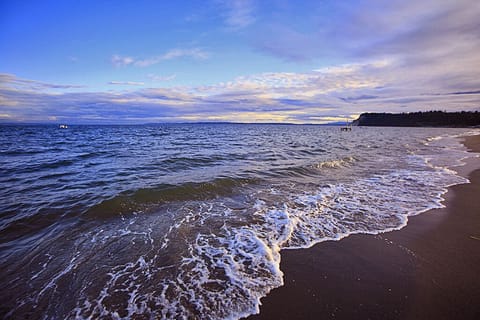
(428, 270)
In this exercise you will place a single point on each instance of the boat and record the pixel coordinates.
(63, 126)
(347, 127)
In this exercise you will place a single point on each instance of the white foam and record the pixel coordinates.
(336, 163)
(223, 273)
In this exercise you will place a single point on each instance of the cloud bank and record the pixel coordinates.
(318, 96)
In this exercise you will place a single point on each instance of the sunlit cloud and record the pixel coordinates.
(252, 117)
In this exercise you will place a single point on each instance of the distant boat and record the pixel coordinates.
(347, 127)
(63, 126)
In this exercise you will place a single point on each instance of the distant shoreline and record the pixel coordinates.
(430, 119)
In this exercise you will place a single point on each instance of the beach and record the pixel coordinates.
(427, 270)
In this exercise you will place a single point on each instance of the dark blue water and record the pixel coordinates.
(187, 220)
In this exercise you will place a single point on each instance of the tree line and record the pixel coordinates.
(420, 119)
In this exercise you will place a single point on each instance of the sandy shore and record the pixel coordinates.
(428, 270)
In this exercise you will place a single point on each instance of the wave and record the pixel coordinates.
(146, 199)
(227, 258)
(338, 163)
(54, 164)
(182, 163)
(310, 170)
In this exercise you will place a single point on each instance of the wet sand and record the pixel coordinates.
(428, 270)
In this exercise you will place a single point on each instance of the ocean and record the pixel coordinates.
(183, 221)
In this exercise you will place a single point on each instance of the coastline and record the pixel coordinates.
(427, 270)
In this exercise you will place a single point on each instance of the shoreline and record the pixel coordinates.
(427, 270)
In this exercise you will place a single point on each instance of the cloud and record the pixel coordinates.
(194, 53)
(75, 107)
(121, 61)
(359, 98)
(414, 31)
(26, 84)
(157, 78)
(317, 96)
(238, 14)
(466, 92)
(127, 83)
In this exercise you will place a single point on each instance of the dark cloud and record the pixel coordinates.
(465, 92)
(358, 98)
(297, 102)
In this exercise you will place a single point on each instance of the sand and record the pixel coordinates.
(428, 270)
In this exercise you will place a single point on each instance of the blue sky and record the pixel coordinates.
(218, 60)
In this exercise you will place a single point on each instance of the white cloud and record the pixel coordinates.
(127, 83)
(121, 61)
(157, 78)
(194, 53)
(239, 14)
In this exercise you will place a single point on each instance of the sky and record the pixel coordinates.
(242, 61)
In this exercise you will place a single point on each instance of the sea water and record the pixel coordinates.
(188, 221)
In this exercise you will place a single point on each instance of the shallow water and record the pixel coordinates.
(187, 220)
